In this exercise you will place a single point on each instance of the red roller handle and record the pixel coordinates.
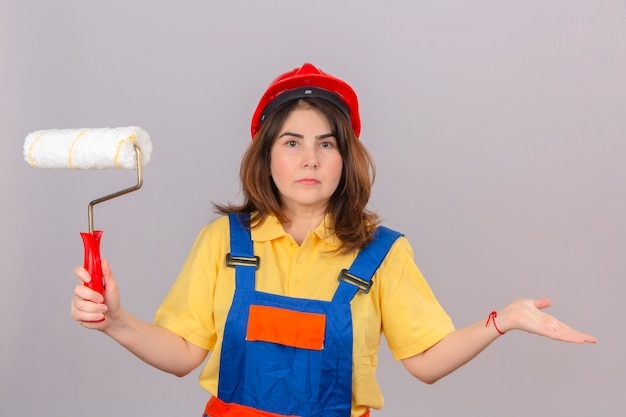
(92, 264)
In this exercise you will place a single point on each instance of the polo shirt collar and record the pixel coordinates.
(271, 229)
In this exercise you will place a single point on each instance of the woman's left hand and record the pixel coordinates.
(525, 314)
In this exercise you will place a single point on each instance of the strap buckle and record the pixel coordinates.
(363, 285)
(233, 261)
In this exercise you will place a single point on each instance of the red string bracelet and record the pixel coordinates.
(492, 318)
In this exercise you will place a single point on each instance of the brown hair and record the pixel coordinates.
(350, 220)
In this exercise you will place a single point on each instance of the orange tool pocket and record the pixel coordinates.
(286, 327)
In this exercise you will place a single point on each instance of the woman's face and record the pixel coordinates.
(305, 162)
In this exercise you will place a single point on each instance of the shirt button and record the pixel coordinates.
(299, 260)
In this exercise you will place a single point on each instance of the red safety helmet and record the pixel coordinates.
(307, 81)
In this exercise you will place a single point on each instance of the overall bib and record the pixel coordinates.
(285, 356)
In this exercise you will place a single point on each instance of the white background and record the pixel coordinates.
(498, 128)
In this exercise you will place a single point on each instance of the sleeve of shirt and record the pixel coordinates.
(412, 318)
(187, 309)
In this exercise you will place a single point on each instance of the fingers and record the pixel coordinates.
(87, 305)
(557, 330)
(570, 335)
(92, 309)
(587, 338)
(560, 331)
(526, 315)
(84, 277)
(83, 292)
(82, 274)
(107, 276)
(542, 303)
(85, 311)
(106, 267)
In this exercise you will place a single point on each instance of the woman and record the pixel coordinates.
(290, 290)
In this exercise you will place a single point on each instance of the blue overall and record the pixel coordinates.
(278, 378)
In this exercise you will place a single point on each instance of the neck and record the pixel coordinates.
(301, 223)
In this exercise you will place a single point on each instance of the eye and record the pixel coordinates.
(291, 143)
(329, 142)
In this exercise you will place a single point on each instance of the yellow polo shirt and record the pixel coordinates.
(400, 302)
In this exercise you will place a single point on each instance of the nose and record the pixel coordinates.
(310, 159)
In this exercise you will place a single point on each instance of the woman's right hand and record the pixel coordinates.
(92, 309)
(153, 344)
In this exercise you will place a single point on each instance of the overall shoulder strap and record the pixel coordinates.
(359, 276)
(241, 256)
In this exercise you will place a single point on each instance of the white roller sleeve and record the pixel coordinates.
(87, 148)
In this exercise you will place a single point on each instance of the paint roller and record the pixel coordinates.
(102, 148)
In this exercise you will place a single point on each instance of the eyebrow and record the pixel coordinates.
(299, 136)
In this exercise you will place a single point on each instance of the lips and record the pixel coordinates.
(308, 181)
